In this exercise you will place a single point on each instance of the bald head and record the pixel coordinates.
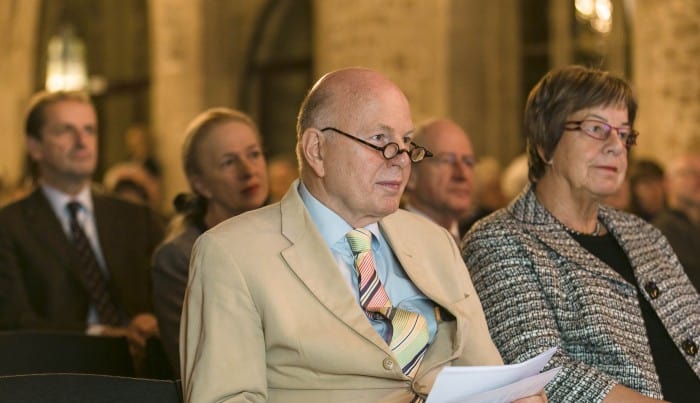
(344, 122)
(441, 187)
(335, 95)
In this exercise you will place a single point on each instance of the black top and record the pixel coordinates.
(678, 381)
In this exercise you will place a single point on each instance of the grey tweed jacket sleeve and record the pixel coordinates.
(540, 288)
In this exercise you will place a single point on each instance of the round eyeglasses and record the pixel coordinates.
(601, 131)
(416, 153)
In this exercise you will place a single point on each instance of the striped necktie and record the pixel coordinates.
(409, 331)
(97, 285)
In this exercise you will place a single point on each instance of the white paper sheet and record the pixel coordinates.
(502, 383)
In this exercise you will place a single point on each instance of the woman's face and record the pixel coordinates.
(590, 166)
(233, 175)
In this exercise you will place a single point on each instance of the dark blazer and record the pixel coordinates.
(41, 286)
(170, 272)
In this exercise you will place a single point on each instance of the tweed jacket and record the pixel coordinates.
(540, 288)
(268, 315)
(41, 283)
(169, 275)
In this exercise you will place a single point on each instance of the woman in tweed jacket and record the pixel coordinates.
(556, 268)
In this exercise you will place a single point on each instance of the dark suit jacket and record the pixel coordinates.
(41, 286)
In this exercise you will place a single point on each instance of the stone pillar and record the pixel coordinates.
(484, 78)
(666, 57)
(197, 58)
(18, 35)
(406, 40)
(176, 83)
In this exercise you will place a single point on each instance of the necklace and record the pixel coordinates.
(595, 232)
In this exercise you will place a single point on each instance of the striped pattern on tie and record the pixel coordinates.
(409, 331)
(97, 285)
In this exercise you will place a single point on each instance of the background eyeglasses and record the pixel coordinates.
(601, 131)
(416, 153)
(451, 159)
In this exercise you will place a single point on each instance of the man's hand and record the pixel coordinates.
(142, 327)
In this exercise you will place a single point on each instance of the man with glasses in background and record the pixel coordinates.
(442, 187)
(333, 294)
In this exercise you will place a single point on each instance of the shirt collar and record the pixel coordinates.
(59, 199)
(332, 227)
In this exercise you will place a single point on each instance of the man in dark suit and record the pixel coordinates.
(45, 282)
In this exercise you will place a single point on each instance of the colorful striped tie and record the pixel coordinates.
(409, 331)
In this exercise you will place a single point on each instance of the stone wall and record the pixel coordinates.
(405, 39)
(666, 70)
(18, 22)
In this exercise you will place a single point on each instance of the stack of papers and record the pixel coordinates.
(493, 384)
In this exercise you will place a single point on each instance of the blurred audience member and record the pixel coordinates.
(138, 146)
(514, 177)
(282, 170)
(621, 199)
(223, 160)
(647, 191)
(680, 221)
(71, 258)
(441, 187)
(132, 182)
(488, 195)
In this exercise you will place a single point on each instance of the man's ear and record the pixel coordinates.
(313, 149)
(34, 149)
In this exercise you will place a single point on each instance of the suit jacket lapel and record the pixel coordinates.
(43, 223)
(540, 223)
(449, 340)
(317, 269)
(104, 222)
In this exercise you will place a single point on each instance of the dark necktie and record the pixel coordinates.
(95, 280)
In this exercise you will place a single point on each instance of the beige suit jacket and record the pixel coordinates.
(269, 317)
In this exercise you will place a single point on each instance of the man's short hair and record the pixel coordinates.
(40, 101)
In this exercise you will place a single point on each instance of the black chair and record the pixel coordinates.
(79, 388)
(156, 364)
(34, 352)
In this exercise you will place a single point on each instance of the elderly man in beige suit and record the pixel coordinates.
(277, 307)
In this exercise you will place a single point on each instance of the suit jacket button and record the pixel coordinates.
(388, 363)
(689, 347)
(652, 289)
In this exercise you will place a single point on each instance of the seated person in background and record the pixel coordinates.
(440, 188)
(71, 258)
(621, 198)
(282, 170)
(647, 189)
(132, 182)
(680, 221)
(488, 194)
(275, 309)
(224, 163)
(557, 268)
(514, 178)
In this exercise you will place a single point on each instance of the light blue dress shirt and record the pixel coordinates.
(400, 289)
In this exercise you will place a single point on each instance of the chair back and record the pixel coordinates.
(79, 388)
(35, 352)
